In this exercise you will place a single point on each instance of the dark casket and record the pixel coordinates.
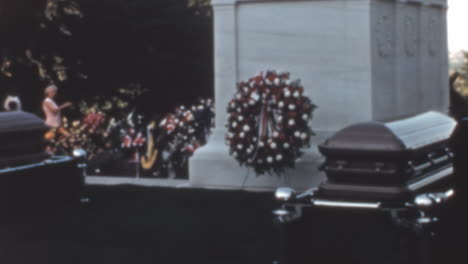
(387, 192)
(27, 173)
(21, 138)
(388, 161)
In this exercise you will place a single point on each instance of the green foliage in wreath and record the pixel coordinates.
(269, 122)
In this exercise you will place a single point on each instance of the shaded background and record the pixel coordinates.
(93, 48)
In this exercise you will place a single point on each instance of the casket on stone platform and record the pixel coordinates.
(27, 173)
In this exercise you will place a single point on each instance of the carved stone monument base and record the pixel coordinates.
(222, 171)
(359, 60)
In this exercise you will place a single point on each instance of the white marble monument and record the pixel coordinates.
(359, 60)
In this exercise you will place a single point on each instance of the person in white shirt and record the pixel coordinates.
(51, 109)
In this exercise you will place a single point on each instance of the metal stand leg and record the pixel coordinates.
(421, 248)
(417, 238)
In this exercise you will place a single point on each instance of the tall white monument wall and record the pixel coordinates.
(358, 60)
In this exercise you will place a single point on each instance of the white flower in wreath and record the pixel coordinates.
(286, 145)
(305, 117)
(270, 159)
(297, 134)
(279, 157)
(275, 134)
(304, 136)
(240, 147)
(291, 122)
(286, 92)
(292, 107)
(273, 145)
(242, 135)
(166, 155)
(246, 128)
(255, 96)
(281, 104)
(234, 124)
(277, 81)
(296, 94)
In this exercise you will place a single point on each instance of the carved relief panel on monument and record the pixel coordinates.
(410, 35)
(385, 35)
(434, 34)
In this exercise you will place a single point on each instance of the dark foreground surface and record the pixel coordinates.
(143, 225)
(153, 225)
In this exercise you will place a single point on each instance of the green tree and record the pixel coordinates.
(97, 47)
(36, 47)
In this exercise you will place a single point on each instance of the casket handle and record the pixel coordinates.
(421, 167)
(438, 160)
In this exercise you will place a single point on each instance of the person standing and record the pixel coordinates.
(51, 109)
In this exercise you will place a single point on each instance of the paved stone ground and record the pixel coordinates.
(155, 182)
(147, 182)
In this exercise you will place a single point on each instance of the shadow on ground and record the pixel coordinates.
(139, 225)
(144, 225)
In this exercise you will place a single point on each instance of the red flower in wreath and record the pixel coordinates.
(269, 122)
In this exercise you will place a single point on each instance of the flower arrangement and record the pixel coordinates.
(88, 134)
(269, 122)
(183, 131)
(111, 132)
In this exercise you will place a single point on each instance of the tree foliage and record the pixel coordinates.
(36, 47)
(97, 47)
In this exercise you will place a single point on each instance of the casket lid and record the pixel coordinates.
(394, 136)
(17, 121)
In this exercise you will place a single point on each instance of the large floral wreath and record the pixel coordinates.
(269, 122)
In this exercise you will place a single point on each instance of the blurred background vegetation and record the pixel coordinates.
(97, 48)
(459, 63)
